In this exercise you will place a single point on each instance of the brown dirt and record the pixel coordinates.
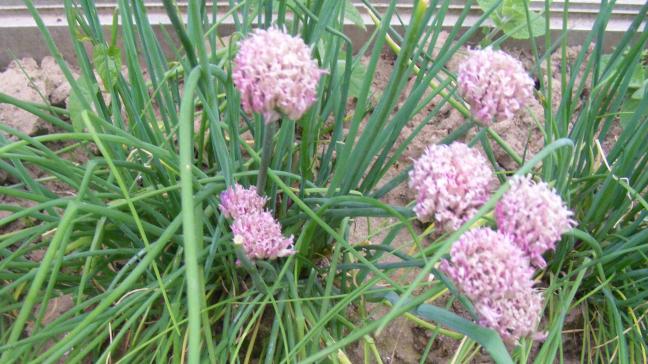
(17, 224)
(26, 80)
(56, 307)
(58, 89)
(23, 80)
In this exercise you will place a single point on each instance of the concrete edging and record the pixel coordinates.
(19, 36)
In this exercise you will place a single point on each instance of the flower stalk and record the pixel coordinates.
(266, 156)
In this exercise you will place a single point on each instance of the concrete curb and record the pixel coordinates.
(19, 36)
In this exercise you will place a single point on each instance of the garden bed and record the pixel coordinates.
(121, 202)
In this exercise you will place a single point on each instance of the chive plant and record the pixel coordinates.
(148, 260)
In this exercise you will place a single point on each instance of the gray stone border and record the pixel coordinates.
(19, 36)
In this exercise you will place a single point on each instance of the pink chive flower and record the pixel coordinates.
(515, 316)
(451, 183)
(534, 215)
(486, 264)
(260, 236)
(238, 200)
(489, 269)
(275, 74)
(494, 84)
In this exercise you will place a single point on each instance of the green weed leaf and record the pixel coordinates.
(638, 95)
(74, 104)
(638, 77)
(358, 72)
(511, 18)
(352, 14)
(107, 60)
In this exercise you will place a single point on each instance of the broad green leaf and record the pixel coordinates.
(638, 95)
(628, 110)
(632, 103)
(357, 76)
(351, 13)
(511, 18)
(638, 77)
(605, 60)
(486, 5)
(74, 104)
(515, 20)
(107, 60)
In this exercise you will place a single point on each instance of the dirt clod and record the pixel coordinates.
(58, 89)
(23, 81)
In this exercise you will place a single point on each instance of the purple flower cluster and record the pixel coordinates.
(492, 268)
(275, 74)
(487, 263)
(238, 200)
(494, 84)
(451, 182)
(534, 215)
(254, 228)
(260, 235)
(515, 316)
(496, 276)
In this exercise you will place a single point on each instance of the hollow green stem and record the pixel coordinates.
(266, 156)
(192, 244)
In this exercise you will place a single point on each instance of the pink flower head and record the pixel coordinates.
(486, 264)
(514, 316)
(275, 74)
(489, 269)
(494, 84)
(451, 182)
(534, 215)
(260, 235)
(238, 200)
